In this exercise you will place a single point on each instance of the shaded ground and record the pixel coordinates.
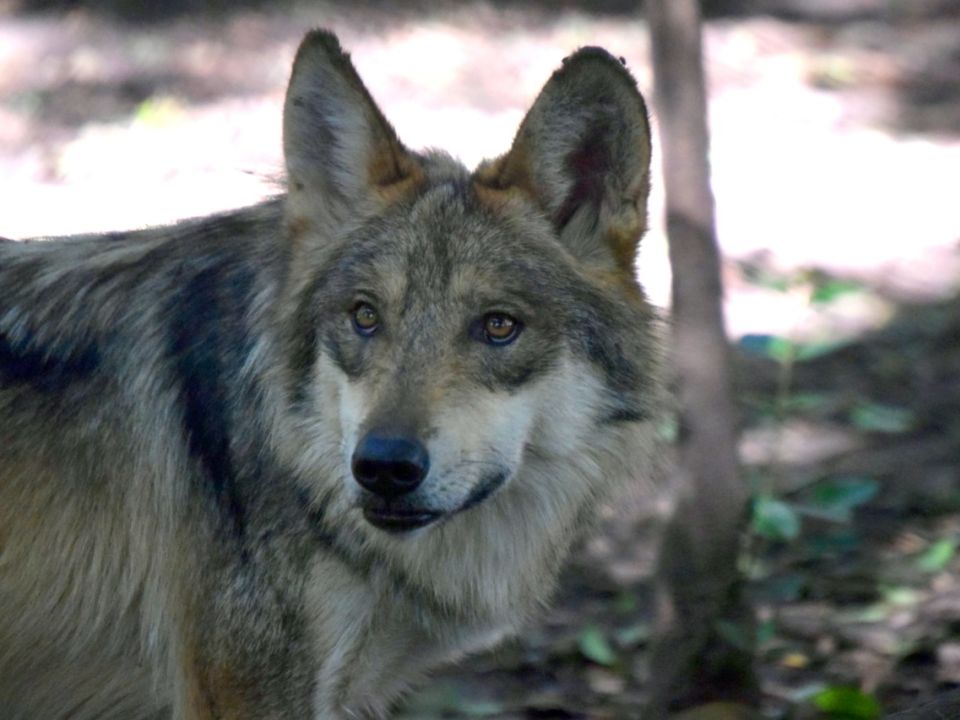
(837, 167)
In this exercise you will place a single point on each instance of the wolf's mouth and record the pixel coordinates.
(398, 521)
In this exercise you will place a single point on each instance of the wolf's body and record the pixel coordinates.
(194, 519)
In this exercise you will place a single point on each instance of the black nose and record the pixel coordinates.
(390, 466)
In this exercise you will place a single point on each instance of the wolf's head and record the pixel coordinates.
(457, 336)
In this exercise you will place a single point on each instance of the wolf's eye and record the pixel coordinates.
(500, 328)
(365, 318)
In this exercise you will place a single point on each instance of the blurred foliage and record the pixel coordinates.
(936, 557)
(843, 703)
(595, 647)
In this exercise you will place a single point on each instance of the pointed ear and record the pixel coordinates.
(583, 155)
(344, 161)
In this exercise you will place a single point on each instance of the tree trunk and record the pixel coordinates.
(704, 633)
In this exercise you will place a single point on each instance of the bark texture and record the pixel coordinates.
(699, 653)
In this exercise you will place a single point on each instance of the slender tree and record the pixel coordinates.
(696, 657)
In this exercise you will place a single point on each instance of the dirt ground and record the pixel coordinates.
(836, 161)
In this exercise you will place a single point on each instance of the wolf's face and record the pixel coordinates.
(456, 326)
(458, 340)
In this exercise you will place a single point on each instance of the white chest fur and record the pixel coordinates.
(373, 641)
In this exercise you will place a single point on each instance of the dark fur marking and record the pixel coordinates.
(46, 369)
(607, 354)
(207, 344)
(484, 489)
(303, 344)
(683, 430)
(622, 357)
(363, 563)
(625, 415)
(523, 376)
(598, 325)
(351, 367)
(512, 373)
(328, 539)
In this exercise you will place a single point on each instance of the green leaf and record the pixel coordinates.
(831, 289)
(633, 635)
(936, 557)
(766, 631)
(158, 112)
(828, 514)
(781, 349)
(776, 348)
(775, 519)
(836, 497)
(874, 613)
(844, 703)
(594, 646)
(877, 417)
(841, 541)
(901, 595)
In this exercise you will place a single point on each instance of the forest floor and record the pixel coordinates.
(836, 160)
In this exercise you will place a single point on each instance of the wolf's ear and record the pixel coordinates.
(344, 161)
(583, 155)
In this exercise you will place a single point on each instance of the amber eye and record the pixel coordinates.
(365, 318)
(500, 328)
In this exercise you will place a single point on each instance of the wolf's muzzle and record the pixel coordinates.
(389, 466)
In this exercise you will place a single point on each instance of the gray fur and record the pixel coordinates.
(180, 535)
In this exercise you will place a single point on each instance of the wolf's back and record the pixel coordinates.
(115, 351)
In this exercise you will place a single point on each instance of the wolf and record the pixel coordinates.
(282, 461)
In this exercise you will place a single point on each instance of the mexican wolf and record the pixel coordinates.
(278, 463)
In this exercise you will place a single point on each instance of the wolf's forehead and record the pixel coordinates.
(449, 241)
